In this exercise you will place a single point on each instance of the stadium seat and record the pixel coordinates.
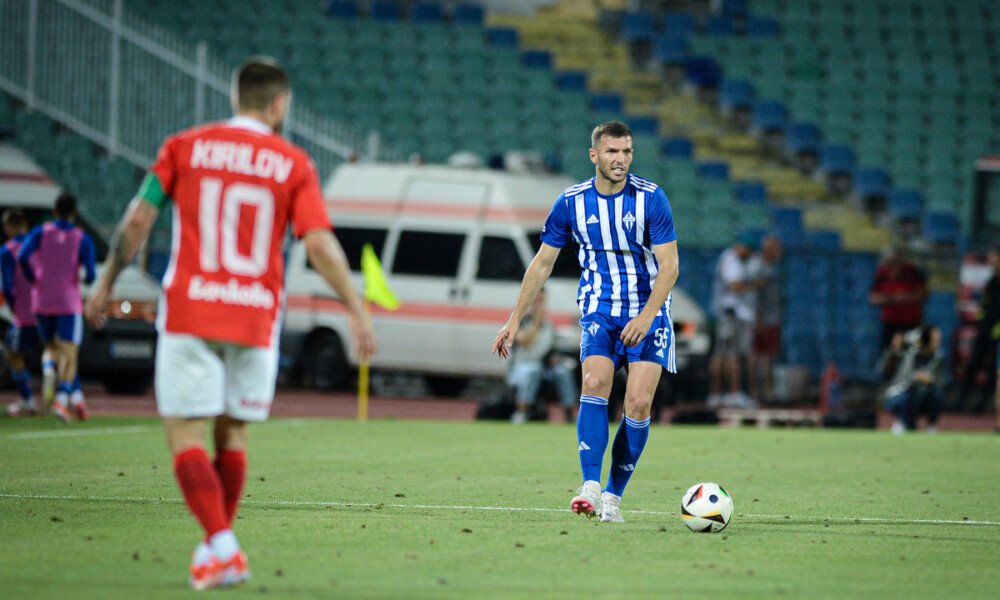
(468, 14)
(719, 25)
(670, 50)
(750, 192)
(502, 37)
(703, 71)
(644, 126)
(802, 137)
(824, 239)
(786, 219)
(385, 11)
(714, 171)
(607, 103)
(769, 115)
(836, 158)
(637, 26)
(677, 147)
(536, 59)
(341, 9)
(870, 182)
(762, 27)
(571, 80)
(427, 12)
(940, 228)
(736, 92)
(678, 23)
(905, 203)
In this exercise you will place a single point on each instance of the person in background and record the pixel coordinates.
(22, 335)
(733, 302)
(61, 249)
(913, 364)
(899, 290)
(767, 328)
(974, 393)
(532, 362)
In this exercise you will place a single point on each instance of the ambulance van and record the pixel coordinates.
(454, 244)
(121, 354)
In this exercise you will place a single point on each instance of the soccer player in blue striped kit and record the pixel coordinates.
(628, 258)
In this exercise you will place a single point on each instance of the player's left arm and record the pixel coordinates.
(28, 248)
(7, 275)
(669, 268)
(87, 259)
(132, 232)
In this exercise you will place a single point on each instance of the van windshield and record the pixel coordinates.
(567, 266)
(37, 216)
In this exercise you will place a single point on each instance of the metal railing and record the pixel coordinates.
(126, 84)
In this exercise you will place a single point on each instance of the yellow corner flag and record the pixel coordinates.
(376, 287)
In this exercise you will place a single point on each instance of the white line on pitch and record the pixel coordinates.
(368, 505)
(63, 433)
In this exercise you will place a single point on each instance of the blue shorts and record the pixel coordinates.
(602, 337)
(68, 328)
(23, 339)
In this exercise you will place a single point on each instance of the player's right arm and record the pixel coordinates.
(534, 278)
(131, 234)
(28, 248)
(327, 257)
(7, 275)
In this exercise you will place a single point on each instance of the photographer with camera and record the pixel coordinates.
(913, 364)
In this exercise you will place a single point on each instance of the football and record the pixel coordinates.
(706, 508)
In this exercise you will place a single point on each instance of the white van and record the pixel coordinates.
(454, 243)
(120, 355)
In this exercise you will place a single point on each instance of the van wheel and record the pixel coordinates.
(449, 387)
(324, 364)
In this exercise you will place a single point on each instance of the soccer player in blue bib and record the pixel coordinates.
(628, 258)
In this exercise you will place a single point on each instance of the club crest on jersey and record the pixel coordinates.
(629, 220)
(593, 328)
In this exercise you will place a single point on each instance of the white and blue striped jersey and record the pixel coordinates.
(616, 235)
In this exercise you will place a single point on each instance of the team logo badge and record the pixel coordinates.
(629, 220)
(593, 328)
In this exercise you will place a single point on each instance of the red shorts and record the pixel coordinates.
(767, 340)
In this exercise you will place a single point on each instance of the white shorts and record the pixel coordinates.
(198, 378)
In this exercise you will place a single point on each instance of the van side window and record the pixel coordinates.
(428, 253)
(498, 260)
(354, 238)
(567, 265)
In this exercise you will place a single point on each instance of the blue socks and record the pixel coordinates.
(22, 381)
(629, 442)
(592, 435)
(76, 384)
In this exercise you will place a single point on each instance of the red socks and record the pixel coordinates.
(231, 465)
(202, 489)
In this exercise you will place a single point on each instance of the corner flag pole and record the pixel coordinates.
(363, 380)
(377, 290)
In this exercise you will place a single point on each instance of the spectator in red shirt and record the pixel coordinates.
(899, 290)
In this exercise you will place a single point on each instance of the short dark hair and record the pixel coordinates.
(258, 81)
(609, 128)
(13, 217)
(65, 205)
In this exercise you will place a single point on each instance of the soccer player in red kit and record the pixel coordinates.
(234, 187)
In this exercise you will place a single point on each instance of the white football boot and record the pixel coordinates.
(587, 500)
(611, 511)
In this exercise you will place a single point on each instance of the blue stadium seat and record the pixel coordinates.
(385, 11)
(467, 14)
(571, 80)
(703, 71)
(427, 12)
(719, 25)
(940, 228)
(769, 115)
(677, 147)
(786, 218)
(678, 23)
(802, 137)
(734, 7)
(637, 26)
(836, 158)
(341, 9)
(607, 102)
(870, 182)
(502, 37)
(736, 92)
(762, 27)
(536, 59)
(905, 203)
(750, 192)
(824, 239)
(669, 49)
(714, 170)
(643, 125)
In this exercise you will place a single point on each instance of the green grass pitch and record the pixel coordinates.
(389, 509)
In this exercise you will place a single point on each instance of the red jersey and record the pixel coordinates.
(906, 280)
(235, 186)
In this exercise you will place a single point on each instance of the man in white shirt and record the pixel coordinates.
(734, 304)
